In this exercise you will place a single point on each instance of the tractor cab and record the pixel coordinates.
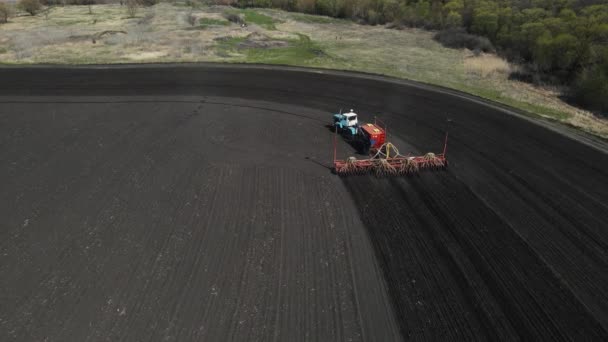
(346, 122)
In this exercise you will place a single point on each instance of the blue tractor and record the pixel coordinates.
(346, 123)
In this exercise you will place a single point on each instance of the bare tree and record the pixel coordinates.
(89, 4)
(30, 6)
(46, 12)
(191, 18)
(5, 12)
(132, 6)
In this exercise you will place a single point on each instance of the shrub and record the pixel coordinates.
(458, 38)
(372, 17)
(306, 6)
(5, 12)
(30, 6)
(591, 89)
(233, 17)
(325, 7)
(212, 22)
(191, 19)
(453, 20)
(147, 18)
(132, 6)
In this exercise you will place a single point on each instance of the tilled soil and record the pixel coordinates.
(171, 218)
(196, 203)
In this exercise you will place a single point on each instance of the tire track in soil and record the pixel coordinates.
(575, 252)
(474, 264)
(554, 209)
(577, 264)
(419, 277)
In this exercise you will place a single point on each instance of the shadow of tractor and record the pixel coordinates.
(359, 143)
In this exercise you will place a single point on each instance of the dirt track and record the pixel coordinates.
(194, 202)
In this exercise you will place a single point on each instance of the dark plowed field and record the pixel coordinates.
(195, 203)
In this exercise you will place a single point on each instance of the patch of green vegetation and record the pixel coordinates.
(301, 51)
(71, 22)
(527, 108)
(265, 21)
(230, 42)
(253, 17)
(533, 109)
(213, 22)
(3, 50)
(226, 45)
(315, 19)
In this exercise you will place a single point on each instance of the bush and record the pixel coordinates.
(307, 6)
(30, 6)
(459, 38)
(191, 19)
(222, 2)
(5, 12)
(146, 19)
(233, 17)
(325, 7)
(132, 6)
(373, 18)
(591, 89)
(453, 20)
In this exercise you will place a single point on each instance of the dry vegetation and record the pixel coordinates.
(487, 65)
(173, 32)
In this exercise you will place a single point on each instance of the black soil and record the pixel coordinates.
(196, 203)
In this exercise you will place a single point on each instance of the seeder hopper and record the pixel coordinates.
(384, 158)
